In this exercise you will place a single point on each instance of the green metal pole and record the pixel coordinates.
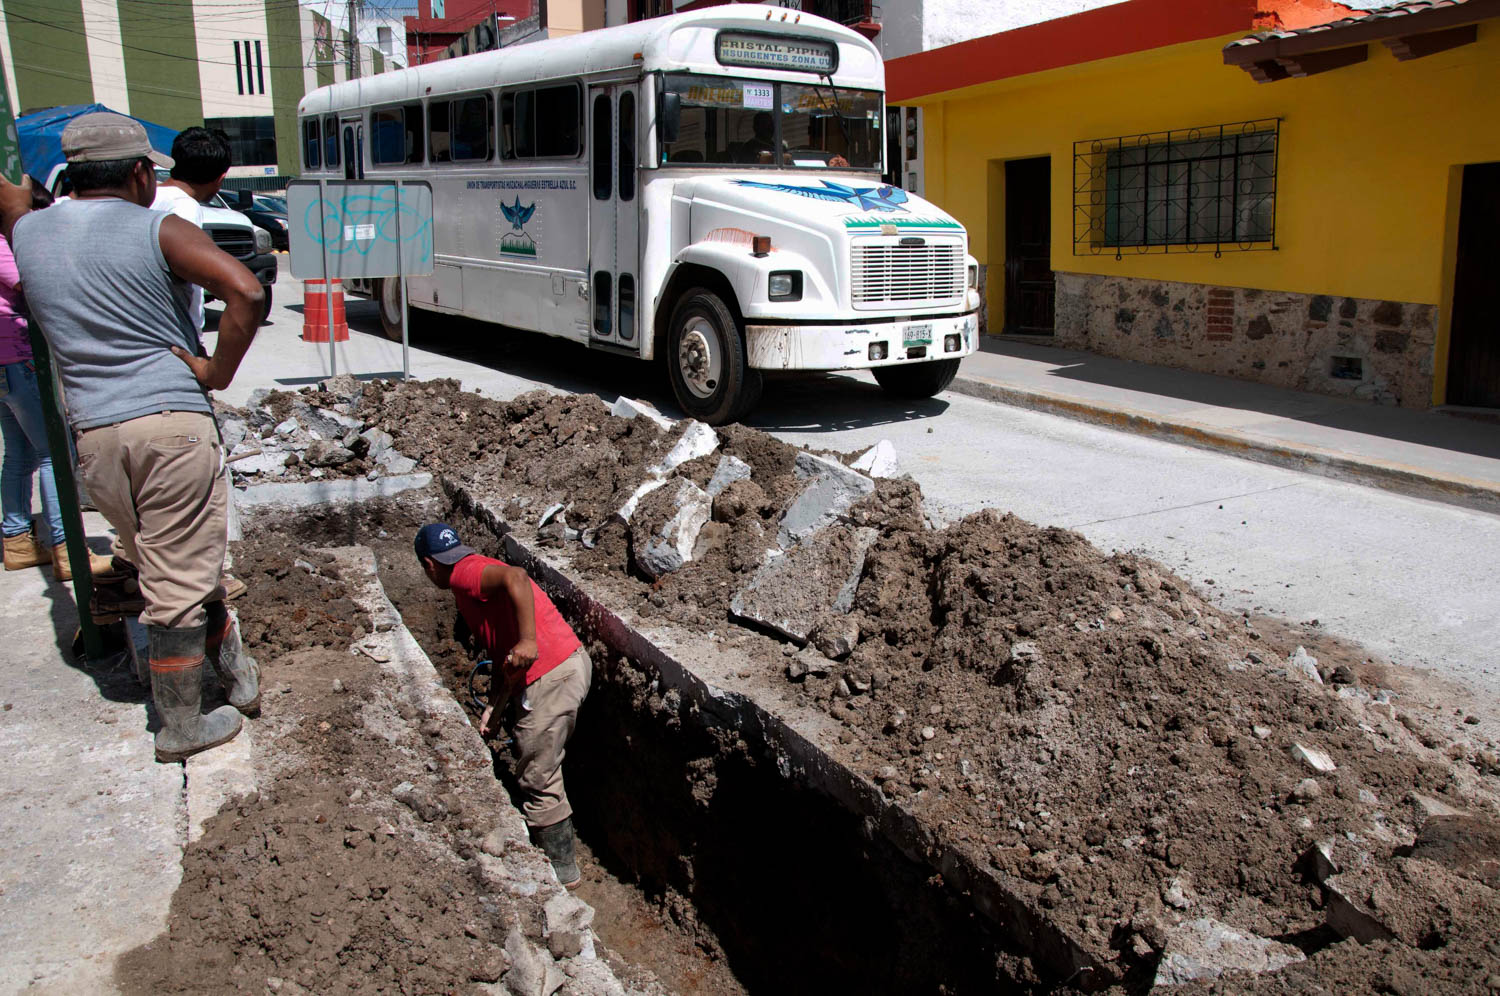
(57, 433)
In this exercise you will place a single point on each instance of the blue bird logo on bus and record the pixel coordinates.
(517, 215)
(864, 198)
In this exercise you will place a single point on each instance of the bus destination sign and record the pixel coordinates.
(757, 51)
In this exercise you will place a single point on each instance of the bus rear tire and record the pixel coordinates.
(916, 380)
(706, 361)
(388, 293)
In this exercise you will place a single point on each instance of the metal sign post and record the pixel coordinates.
(401, 280)
(57, 432)
(333, 367)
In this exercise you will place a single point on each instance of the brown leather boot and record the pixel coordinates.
(22, 552)
(62, 567)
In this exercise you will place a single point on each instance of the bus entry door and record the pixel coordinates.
(614, 215)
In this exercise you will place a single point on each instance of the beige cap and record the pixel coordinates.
(106, 137)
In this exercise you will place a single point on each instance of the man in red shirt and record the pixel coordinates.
(539, 662)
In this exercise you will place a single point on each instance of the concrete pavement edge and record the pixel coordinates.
(1414, 482)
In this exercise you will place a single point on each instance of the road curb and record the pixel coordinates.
(1390, 476)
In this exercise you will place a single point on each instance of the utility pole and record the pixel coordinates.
(354, 53)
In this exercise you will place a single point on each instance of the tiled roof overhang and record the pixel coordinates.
(1410, 30)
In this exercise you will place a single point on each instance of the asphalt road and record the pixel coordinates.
(1411, 580)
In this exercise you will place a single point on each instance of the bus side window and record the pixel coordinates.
(438, 146)
(627, 155)
(331, 142)
(603, 167)
(559, 116)
(541, 124)
(473, 122)
(311, 158)
(396, 135)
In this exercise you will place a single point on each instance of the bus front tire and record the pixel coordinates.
(916, 380)
(706, 361)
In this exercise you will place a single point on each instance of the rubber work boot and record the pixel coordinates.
(556, 841)
(62, 566)
(177, 687)
(237, 669)
(22, 552)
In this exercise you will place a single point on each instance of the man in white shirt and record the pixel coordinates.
(201, 160)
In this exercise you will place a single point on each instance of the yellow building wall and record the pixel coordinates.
(1365, 205)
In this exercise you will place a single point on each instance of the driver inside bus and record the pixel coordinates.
(760, 148)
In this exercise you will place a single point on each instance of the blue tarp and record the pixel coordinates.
(41, 137)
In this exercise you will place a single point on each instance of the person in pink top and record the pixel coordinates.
(27, 455)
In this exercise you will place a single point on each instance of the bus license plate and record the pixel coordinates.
(917, 335)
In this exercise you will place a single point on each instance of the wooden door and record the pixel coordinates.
(1474, 339)
(1028, 247)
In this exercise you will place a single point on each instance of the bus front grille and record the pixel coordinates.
(887, 273)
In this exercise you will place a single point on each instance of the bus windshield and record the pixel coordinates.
(727, 121)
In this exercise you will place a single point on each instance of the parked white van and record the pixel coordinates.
(704, 187)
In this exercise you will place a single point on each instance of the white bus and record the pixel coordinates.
(704, 187)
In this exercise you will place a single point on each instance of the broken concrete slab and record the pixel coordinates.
(1206, 949)
(396, 462)
(806, 584)
(877, 461)
(729, 470)
(267, 464)
(666, 525)
(697, 440)
(831, 489)
(378, 441)
(325, 492)
(627, 511)
(630, 408)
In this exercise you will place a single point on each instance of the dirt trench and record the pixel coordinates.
(706, 866)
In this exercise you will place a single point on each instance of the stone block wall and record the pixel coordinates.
(1380, 351)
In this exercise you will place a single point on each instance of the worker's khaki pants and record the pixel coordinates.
(159, 481)
(542, 738)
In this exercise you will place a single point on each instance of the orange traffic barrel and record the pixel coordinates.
(315, 312)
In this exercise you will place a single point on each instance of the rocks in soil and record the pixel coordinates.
(1301, 664)
(1206, 949)
(327, 453)
(807, 584)
(567, 920)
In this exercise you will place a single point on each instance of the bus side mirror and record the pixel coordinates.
(670, 117)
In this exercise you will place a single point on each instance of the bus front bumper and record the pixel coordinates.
(860, 345)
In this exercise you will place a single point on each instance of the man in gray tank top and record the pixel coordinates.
(107, 280)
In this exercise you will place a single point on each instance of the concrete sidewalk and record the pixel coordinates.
(1432, 455)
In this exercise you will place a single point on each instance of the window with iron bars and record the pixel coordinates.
(1177, 191)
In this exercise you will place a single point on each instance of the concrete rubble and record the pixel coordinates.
(322, 437)
(666, 524)
(830, 490)
(1206, 949)
(802, 587)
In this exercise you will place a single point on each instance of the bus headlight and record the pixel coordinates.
(262, 240)
(974, 276)
(785, 285)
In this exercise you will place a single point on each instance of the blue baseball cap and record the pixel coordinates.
(440, 541)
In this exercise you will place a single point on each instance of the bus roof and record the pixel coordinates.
(679, 41)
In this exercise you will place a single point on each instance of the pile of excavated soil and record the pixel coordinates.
(1122, 752)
